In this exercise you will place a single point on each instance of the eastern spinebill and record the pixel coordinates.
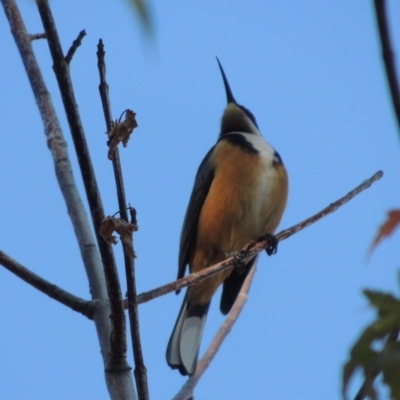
(239, 194)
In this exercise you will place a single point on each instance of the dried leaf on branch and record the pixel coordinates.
(121, 131)
(110, 225)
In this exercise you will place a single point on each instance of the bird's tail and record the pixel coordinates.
(184, 344)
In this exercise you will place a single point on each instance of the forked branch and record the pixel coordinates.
(117, 356)
(119, 381)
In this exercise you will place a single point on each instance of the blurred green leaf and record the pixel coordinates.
(391, 369)
(372, 361)
(383, 302)
(142, 8)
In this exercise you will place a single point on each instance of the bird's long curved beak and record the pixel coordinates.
(229, 95)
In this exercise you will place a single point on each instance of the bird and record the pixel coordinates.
(239, 194)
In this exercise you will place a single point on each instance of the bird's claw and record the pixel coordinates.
(273, 243)
(238, 260)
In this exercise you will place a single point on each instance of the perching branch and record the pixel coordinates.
(388, 56)
(85, 307)
(252, 249)
(140, 370)
(117, 356)
(187, 390)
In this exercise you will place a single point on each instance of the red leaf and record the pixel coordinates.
(387, 228)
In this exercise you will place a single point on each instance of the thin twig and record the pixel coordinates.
(103, 86)
(61, 70)
(82, 306)
(119, 381)
(140, 370)
(75, 44)
(36, 36)
(251, 249)
(187, 389)
(331, 208)
(388, 56)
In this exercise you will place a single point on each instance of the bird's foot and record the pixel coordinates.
(240, 256)
(238, 260)
(273, 243)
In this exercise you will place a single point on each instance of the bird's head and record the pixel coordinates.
(236, 118)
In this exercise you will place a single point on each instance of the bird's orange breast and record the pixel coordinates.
(245, 200)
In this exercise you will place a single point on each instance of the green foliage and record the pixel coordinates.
(383, 332)
(142, 8)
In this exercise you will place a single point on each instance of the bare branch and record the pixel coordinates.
(75, 44)
(85, 307)
(331, 208)
(187, 390)
(63, 169)
(36, 36)
(119, 381)
(140, 371)
(251, 249)
(388, 56)
(103, 86)
(117, 356)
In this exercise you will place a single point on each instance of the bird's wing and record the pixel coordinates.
(202, 183)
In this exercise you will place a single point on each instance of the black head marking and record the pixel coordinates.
(238, 139)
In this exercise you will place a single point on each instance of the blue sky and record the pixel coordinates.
(312, 75)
